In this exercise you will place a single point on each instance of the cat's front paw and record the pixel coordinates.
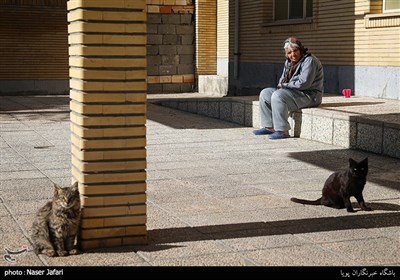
(62, 253)
(350, 210)
(74, 252)
(49, 253)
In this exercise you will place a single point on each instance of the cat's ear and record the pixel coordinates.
(364, 161)
(352, 162)
(57, 189)
(74, 186)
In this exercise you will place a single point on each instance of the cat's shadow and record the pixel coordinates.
(381, 206)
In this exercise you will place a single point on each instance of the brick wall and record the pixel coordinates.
(170, 46)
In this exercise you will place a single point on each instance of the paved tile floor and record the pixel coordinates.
(217, 194)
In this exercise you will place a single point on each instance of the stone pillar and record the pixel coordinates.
(206, 47)
(108, 114)
(206, 37)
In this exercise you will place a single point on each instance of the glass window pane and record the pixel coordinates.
(392, 4)
(281, 9)
(309, 9)
(295, 9)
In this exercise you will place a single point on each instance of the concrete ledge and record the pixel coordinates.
(239, 110)
(214, 85)
(364, 123)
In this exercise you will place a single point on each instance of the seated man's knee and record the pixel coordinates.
(276, 96)
(280, 96)
(266, 94)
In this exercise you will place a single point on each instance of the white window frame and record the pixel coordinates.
(288, 11)
(389, 10)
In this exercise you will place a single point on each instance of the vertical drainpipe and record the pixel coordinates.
(236, 43)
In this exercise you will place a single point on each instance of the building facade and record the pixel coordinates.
(34, 46)
(217, 46)
(357, 41)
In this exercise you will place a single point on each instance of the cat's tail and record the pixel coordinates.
(309, 202)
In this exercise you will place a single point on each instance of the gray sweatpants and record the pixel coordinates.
(275, 105)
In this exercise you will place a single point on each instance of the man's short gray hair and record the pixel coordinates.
(291, 45)
(294, 44)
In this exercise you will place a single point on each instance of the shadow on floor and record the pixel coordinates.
(301, 226)
(336, 160)
(43, 103)
(175, 119)
(160, 238)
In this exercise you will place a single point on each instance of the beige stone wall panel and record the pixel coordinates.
(108, 166)
(135, 209)
(114, 221)
(108, 143)
(108, 155)
(82, 85)
(110, 232)
(112, 189)
(129, 4)
(107, 132)
(80, 14)
(84, 27)
(107, 109)
(108, 177)
(107, 97)
(107, 120)
(114, 200)
(113, 242)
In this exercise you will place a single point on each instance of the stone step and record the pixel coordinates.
(364, 123)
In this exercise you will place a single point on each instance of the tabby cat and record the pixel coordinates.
(56, 225)
(341, 185)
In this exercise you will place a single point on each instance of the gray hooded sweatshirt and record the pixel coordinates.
(308, 78)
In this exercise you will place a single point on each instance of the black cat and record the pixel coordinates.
(341, 185)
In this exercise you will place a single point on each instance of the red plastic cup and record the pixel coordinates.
(346, 92)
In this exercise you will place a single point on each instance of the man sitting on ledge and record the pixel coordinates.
(301, 85)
